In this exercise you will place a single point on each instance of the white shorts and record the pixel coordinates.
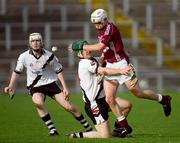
(118, 65)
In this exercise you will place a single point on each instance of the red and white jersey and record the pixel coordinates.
(34, 67)
(87, 72)
(111, 37)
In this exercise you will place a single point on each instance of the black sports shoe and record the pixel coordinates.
(166, 103)
(53, 133)
(120, 132)
(75, 135)
(128, 128)
(72, 135)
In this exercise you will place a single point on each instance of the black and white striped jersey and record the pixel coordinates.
(35, 66)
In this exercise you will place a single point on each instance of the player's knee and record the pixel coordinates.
(110, 100)
(137, 93)
(70, 108)
(39, 105)
(129, 105)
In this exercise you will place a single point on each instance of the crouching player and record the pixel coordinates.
(95, 105)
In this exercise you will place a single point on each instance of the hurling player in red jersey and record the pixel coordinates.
(110, 42)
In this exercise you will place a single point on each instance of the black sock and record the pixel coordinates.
(85, 124)
(81, 134)
(77, 135)
(47, 120)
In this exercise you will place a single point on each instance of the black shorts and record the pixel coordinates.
(49, 89)
(102, 114)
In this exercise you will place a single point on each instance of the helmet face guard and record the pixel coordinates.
(99, 16)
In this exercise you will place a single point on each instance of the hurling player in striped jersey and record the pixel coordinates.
(95, 105)
(43, 72)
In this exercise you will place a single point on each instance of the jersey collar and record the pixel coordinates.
(31, 53)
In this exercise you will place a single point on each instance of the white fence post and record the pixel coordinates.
(86, 31)
(25, 18)
(126, 6)
(159, 56)
(149, 22)
(41, 6)
(47, 35)
(175, 5)
(63, 11)
(111, 11)
(136, 64)
(12, 65)
(134, 35)
(3, 7)
(71, 59)
(159, 78)
(173, 34)
(88, 5)
(8, 37)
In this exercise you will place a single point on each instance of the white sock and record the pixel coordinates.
(120, 118)
(159, 97)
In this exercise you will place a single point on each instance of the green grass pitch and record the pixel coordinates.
(19, 122)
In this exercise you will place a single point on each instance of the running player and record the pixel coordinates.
(43, 71)
(111, 45)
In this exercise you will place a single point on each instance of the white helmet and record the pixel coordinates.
(99, 16)
(35, 36)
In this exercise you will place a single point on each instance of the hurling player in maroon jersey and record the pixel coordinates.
(111, 45)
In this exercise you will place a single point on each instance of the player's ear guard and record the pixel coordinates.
(78, 45)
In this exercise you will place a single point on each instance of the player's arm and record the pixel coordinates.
(10, 89)
(111, 71)
(94, 47)
(83, 45)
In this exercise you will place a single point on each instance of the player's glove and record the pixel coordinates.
(78, 45)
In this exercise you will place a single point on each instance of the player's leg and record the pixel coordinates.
(124, 105)
(38, 100)
(151, 95)
(70, 107)
(110, 88)
(98, 112)
(102, 131)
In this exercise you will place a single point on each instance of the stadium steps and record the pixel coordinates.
(151, 49)
(96, 3)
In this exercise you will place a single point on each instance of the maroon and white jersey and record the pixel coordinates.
(111, 37)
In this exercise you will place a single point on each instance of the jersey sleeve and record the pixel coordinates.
(92, 66)
(20, 64)
(57, 66)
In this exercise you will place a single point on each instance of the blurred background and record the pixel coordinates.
(150, 31)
